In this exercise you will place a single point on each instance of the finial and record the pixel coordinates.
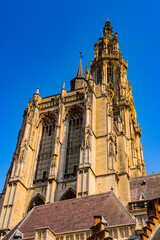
(107, 19)
(37, 90)
(64, 85)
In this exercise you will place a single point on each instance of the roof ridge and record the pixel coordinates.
(72, 199)
(124, 207)
(148, 175)
(20, 223)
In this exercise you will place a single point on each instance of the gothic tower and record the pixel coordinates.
(77, 143)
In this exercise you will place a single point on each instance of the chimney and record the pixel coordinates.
(97, 219)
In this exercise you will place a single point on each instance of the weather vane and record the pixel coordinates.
(81, 55)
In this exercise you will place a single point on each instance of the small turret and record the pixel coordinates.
(79, 81)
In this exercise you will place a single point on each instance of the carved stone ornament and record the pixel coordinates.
(49, 114)
(22, 154)
(57, 140)
(72, 108)
(88, 106)
(88, 137)
(25, 145)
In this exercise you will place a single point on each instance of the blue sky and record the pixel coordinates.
(40, 43)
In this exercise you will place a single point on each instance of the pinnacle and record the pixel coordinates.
(37, 90)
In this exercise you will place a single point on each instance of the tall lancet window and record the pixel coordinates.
(75, 136)
(99, 75)
(46, 149)
(110, 73)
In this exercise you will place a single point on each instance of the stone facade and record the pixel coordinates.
(77, 143)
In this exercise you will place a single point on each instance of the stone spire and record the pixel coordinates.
(80, 71)
(79, 81)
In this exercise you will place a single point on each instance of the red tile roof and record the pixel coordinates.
(75, 214)
(148, 185)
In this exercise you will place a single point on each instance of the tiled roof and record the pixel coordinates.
(76, 214)
(148, 185)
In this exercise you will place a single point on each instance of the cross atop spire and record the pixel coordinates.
(81, 55)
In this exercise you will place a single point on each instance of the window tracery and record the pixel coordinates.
(68, 195)
(74, 142)
(109, 73)
(38, 200)
(46, 149)
(99, 75)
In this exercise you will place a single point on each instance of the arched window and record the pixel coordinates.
(109, 73)
(38, 200)
(46, 149)
(75, 135)
(68, 195)
(99, 75)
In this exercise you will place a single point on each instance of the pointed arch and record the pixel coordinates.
(69, 194)
(36, 201)
(73, 108)
(46, 149)
(75, 139)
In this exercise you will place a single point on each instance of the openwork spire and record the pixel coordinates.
(80, 71)
(108, 30)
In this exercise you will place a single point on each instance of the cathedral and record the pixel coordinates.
(78, 170)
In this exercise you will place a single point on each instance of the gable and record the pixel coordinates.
(76, 214)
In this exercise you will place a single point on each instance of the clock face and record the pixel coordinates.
(110, 93)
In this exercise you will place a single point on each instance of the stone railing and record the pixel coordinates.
(137, 205)
(122, 232)
(76, 97)
(48, 234)
(51, 103)
(55, 100)
(118, 232)
(81, 235)
(141, 220)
